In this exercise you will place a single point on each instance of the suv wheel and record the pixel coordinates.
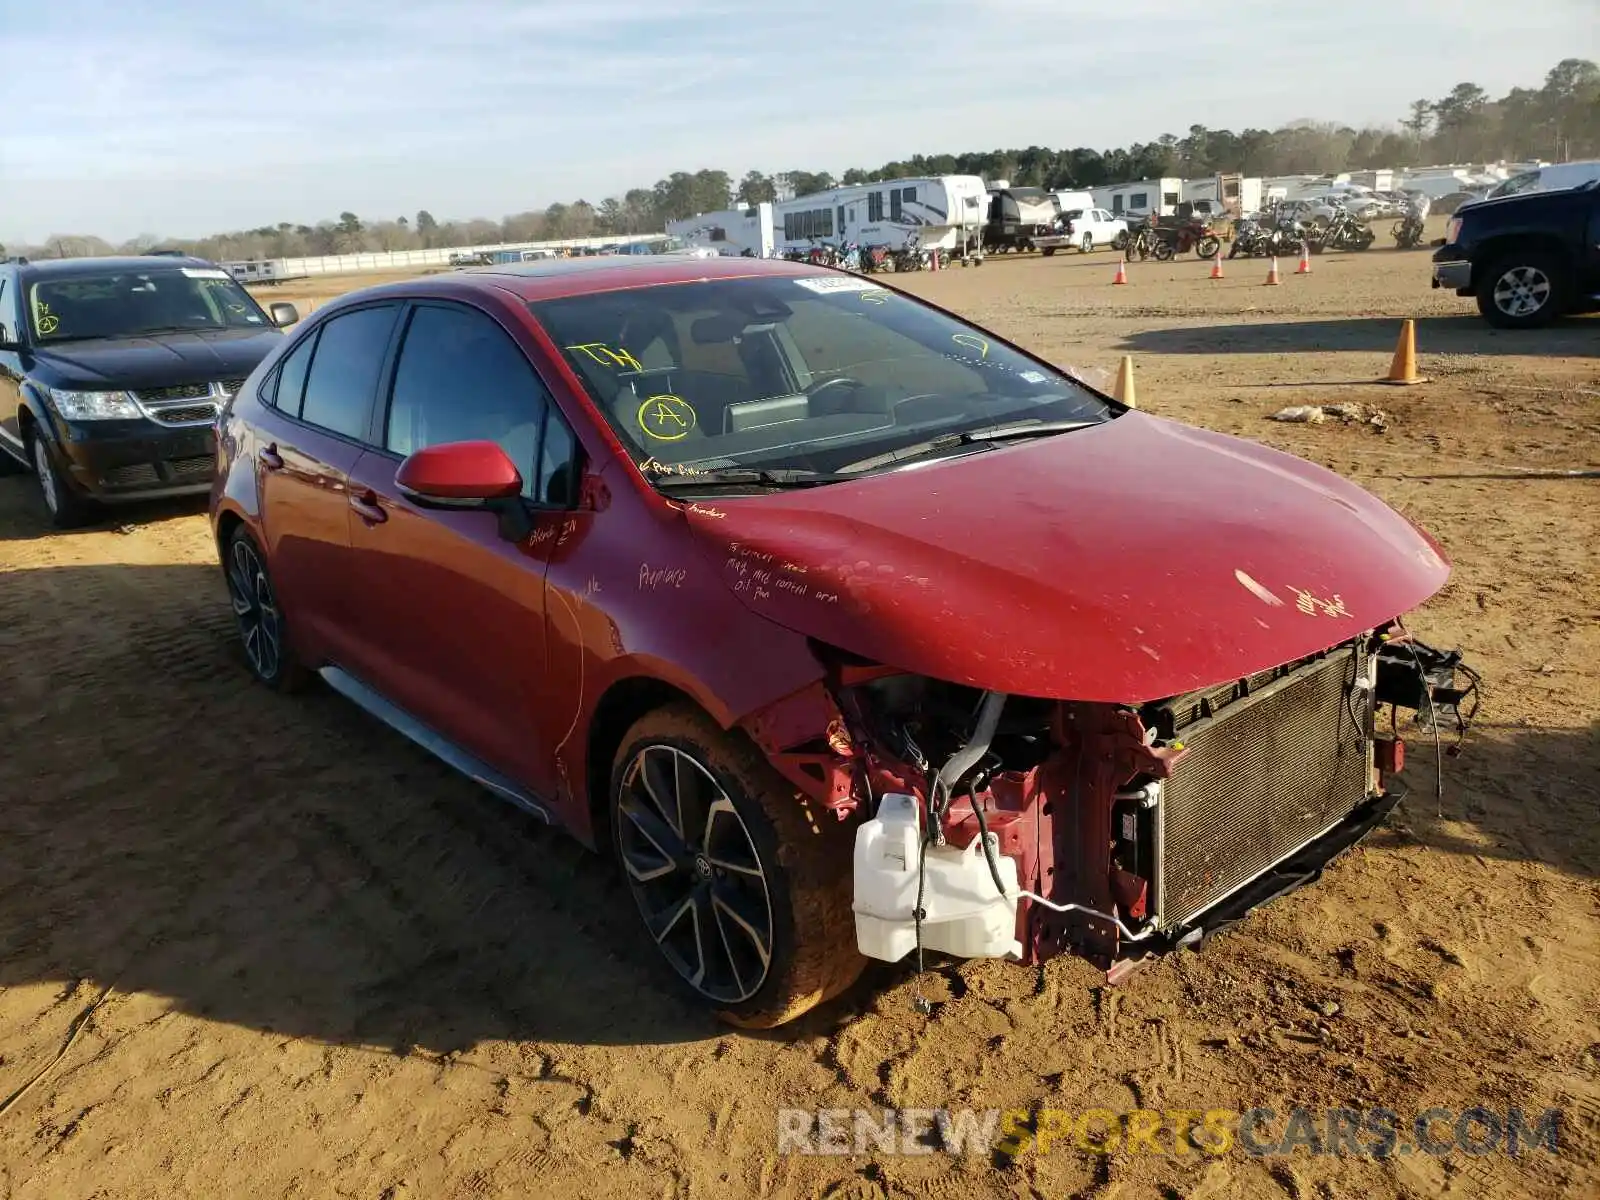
(1521, 291)
(262, 633)
(744, 889)
(66, 507)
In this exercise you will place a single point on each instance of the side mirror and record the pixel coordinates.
(459, 475)
(283, 314)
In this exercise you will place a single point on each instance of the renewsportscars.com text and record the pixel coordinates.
(1259, 1132)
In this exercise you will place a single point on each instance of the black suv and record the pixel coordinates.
(1528, 258)
(112, 372)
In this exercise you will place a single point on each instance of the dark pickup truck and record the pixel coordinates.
(1528, 258)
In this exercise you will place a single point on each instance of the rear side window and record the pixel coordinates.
(290, 386)
(344, 370)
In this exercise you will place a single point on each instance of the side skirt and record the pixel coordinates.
(400, 721)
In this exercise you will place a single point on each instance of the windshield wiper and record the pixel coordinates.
(776, 477)
(1010, 431)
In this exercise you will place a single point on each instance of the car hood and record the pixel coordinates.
(1126, 562)
(160, 360)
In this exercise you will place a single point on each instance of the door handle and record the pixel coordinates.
(368, 509)
(270, 458)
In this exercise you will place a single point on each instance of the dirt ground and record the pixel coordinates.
(338, 970)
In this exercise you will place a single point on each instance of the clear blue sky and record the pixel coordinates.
(187, 117)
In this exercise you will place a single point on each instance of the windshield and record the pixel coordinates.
(130, 303)
(807, 372)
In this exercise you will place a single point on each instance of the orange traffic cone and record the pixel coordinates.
(1125, 390)
(1272, 273)
(1403, 368)
(1305, 260)
(1216, 266)
(1122, 271)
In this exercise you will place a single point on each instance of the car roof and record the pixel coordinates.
(546, 279)
(67, 268)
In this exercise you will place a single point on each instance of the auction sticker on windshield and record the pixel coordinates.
(837, 283)
(206, 273)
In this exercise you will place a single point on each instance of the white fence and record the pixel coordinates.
(400, 260)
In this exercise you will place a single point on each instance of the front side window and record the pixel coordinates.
(812, 372)
(460, 378)
(127, 304)
(344, 370)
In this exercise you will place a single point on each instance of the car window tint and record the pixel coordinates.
(344, 370)
(556, 454)
(461, 378)
(291, 381)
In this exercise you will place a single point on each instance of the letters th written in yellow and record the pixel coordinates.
(666, 417)
(608, 356)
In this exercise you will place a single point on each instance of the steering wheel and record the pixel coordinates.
(817, 389)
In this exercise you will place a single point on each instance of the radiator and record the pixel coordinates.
(1274, 761)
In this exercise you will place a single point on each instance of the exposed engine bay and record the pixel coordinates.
(1019, 827)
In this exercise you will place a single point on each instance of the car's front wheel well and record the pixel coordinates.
(624, 703)
(226, 524)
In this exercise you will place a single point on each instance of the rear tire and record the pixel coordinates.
(744, 886)
(263, 632)
(1087, 245)
(1522, 291)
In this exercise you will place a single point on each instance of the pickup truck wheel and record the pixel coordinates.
(1521, 291)
(1087, 245)
(1047, 251)
(744, 886)
(1120, 242)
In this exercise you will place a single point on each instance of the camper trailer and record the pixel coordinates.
(1018, 215)
(733, 232)
(941, 212)
(257, 271)
(1225, 196)
(1140, 200)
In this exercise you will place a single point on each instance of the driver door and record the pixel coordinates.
(451, 614)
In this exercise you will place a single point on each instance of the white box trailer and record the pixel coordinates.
(939, 212)
(1229, 195)
(1144, 198)
(270, 270)
(733, 232)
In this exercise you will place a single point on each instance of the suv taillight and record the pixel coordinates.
(1452, 231)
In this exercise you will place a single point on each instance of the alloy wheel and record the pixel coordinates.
(46, 472)
(695, 874)
(1522, 291)
(255, 608)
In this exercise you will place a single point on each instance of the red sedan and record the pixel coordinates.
(847, 626)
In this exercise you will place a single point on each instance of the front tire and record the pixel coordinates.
(1522, 291)
(743, 885)
(263, 633)
(1208, 246)
(66, 507)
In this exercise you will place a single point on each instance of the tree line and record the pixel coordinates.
(1558, 120)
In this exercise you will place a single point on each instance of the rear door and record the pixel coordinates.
(310, 438)
(452, 616)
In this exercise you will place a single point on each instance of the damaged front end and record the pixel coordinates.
(1018, 827)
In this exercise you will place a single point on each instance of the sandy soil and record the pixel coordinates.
(339, 970)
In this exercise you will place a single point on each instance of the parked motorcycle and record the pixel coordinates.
(1408, 230)
(1344, 232)
(874, 259)
(1196, 235)
(1251, 239)
(1142, 242)
(911, 256)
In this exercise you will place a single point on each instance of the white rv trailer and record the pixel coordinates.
(731, 232)
(257, 270)
(942, 212)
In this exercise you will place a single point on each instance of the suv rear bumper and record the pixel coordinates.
(113, 461)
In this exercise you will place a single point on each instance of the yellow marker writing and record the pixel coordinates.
(972, 341)
(666, 418)
(608, 356)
